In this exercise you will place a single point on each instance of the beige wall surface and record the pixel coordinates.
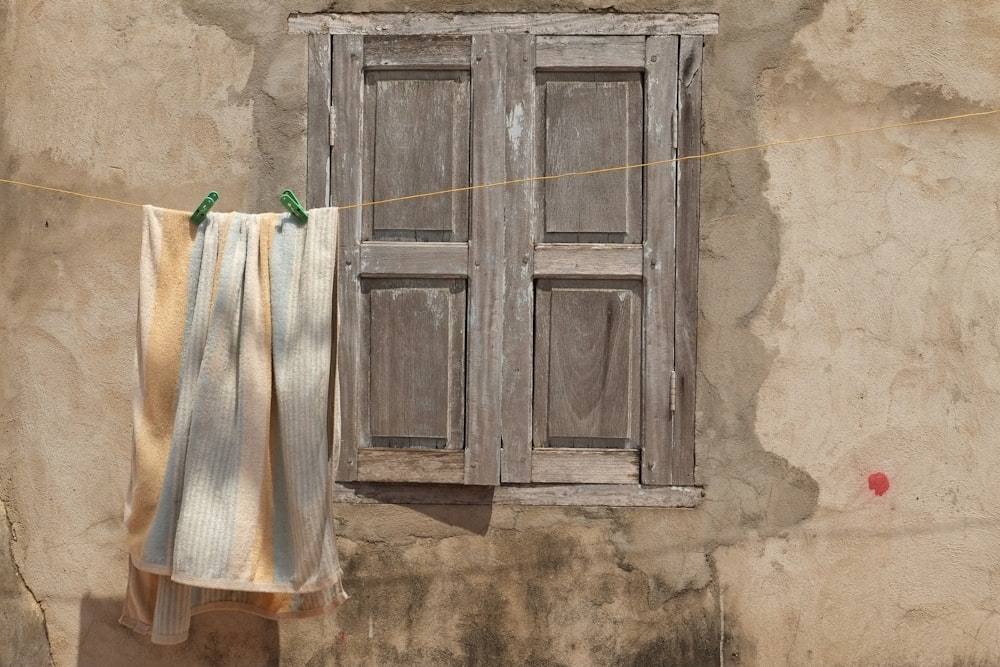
(849, 294)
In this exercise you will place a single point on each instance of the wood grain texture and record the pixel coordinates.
(423, 466)
(417, 361)
(582, 53)
(445, 260)
(318, 123)
(592, 121)
(424, 52)
(346, 55)
(417, 142)
(585, 466)
(688, 211)
(587, 370)
(593, 495)
(658, 259)
(518, 266)
(486, 275)
(594, 358)
(569, 260)
(535, 24)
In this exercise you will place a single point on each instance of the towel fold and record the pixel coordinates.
(228, 505)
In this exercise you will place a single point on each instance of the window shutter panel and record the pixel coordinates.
(419, 278)
(601, 258)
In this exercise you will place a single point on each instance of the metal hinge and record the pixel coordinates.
(673, 392)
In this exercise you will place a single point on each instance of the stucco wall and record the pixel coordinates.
(849, 300)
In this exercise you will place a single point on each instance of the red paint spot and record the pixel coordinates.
(878, 482)
(342, 639)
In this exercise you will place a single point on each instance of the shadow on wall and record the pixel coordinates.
(217, 638)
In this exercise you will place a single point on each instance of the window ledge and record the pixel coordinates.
(467, 23)
(595, 495)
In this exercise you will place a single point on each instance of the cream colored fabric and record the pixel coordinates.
(228, 506)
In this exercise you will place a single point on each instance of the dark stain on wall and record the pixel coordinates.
(926, 101)
(484, 638)
(690, 640)
(553, 552)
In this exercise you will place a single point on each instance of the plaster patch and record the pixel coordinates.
(893, 44)
(876, 316)
(78, 114)
(831, 579)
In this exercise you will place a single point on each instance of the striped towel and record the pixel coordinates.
(228, 506)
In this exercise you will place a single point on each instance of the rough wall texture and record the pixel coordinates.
(22, 625)
(849, 305)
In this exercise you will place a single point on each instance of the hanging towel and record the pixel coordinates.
(228, 505)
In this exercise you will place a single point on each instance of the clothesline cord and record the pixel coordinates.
(589, 172)
(69, 192)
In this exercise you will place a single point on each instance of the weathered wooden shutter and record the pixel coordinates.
(537, 333)
(590, 305)
(418, 291)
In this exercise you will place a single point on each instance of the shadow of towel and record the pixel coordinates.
(218, 639)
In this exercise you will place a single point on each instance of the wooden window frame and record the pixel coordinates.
(335, 70)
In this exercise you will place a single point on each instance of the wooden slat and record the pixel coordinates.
(658, 256)
(318, 123)
(592, 121)
(580, 495)
(486, 260)
(445, 260)
(582, 53)
(423, 52)
(317, 193)
(518, 266)
(408, 442)
(410, 151)
(346, 189)
(688, 210)
(541, 361)
(405, 465)
(535, 24)
(571, 260)
(363, 383)
(417, 352)
(585, 466)
(592, 442)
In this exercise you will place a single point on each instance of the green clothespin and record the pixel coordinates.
(207, 203)
(291, 202)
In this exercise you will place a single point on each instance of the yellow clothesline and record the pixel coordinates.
(549, 177)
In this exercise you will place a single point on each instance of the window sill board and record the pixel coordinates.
(593, 495)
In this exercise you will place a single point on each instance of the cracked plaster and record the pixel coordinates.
(23, 638)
